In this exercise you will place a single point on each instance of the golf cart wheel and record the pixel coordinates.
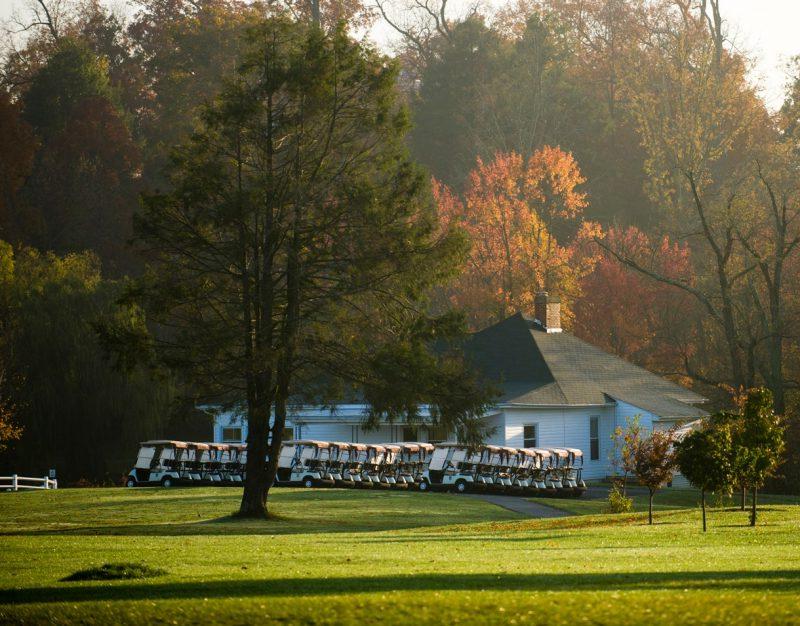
(423, 486)
(167, 482)
(308, 482)
(131, 482)
(461, 486)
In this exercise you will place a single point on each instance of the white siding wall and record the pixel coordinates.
(625, 410)
(324, 431)
(565, 427)
(499, 436)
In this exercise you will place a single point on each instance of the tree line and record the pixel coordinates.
(611, 151)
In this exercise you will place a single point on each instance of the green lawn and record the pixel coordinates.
(664, 500)
(336, 556)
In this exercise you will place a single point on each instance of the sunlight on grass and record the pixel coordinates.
(338, 556)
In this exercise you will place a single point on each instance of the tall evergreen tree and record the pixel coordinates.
(299, 239)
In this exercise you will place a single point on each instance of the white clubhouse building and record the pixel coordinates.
(557, 391)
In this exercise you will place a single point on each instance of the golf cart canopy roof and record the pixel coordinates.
(342, 445)
(528, 451)
(164, 442)
(493, 449)
(391, 447)
(198, 446)
(308, 442)
(451, 444)
(358, 446)
(560, 452)
(575, 451)
(376, 447)
(415, 446)
(508, 449)
(542, 451)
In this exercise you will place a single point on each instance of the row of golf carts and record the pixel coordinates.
(423, 466)
(407, 465)
(169, 463)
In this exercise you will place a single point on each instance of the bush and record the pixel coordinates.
(115, 571)
(617, 502)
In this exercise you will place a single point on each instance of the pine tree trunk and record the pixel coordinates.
(744, 496)
(703, 504)
(650, 509)
(753, 510)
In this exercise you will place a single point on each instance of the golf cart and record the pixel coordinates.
(573, 473)
(414, 459)
(232, 463)
(373, 466)
(559, 470)
(485, 458)
(211, 461)
(449, 468)
(389, 468)
(506, 463)
(303, 462)
(353, 468)
(523, 470)
(338, 455)
(158, 463)
(540, 476)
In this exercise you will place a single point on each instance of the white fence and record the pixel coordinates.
(15, 483)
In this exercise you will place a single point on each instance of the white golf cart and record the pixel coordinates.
(528, 462)
(389, 467)
(559, 470)
(541, 475)
(449, 468)
(338, 454)
(232, 465)
(572, 478)
(158, 463)
(353, 468)
(506, 464)
(373, 466)
(303, 462)
(413, 463)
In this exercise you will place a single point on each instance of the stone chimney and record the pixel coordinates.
(547, 310)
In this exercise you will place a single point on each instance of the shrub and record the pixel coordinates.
(618, 502)
(115, 571)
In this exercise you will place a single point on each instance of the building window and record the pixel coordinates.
(594, 438)
(232, 435)
(437, 434)
(530, 436)
(410, 433)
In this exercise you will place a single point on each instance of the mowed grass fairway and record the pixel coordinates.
(340, 556)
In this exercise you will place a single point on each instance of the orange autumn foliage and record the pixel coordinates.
(523, 218)
(628, 314)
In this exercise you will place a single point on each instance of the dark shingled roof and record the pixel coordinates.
(535, 367)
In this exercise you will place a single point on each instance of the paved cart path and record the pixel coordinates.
(521, 505)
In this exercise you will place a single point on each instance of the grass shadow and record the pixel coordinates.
(772, 580)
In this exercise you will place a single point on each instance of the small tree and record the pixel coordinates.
(762, 443)
(654, 463)
(703, 457)
(626, 439)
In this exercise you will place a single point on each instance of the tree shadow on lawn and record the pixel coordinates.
(764, 580)
(233, 526)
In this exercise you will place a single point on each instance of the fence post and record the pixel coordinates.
(55, 483)
(46, 482)
(13, 482)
